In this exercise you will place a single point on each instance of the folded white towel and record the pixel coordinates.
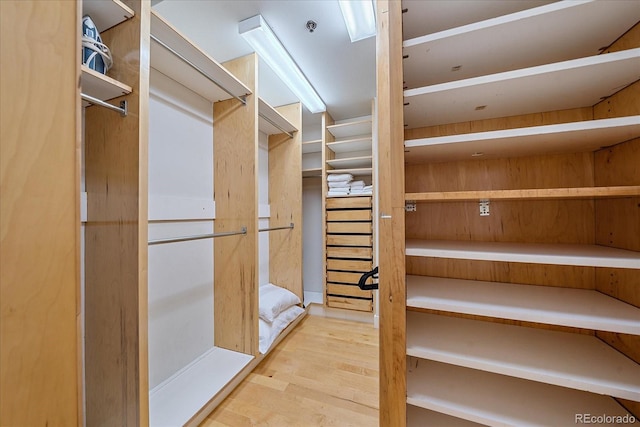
(339, 177)
(368, 187)
(361, 193)
(338, 184)
(357, 184)
(339, 189)
(332, 193)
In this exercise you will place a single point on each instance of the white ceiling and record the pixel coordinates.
(343, 73)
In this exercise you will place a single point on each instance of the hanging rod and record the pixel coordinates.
(276, 125)
(286, 227)
(243, 230)
(198, 69)
(122, 109)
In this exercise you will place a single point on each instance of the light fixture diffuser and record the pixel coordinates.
(359, 17)
(259, 35)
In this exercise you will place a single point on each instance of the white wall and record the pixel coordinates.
(180, 274)
(263, 200)
(312, 262)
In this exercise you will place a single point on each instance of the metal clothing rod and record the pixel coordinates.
(276, 125)
(198, 69)
(122, 109)
(198, 237)
(277, 228)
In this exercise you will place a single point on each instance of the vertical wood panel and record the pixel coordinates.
(235, 154)
(285, 200)
(39, 213)
(392, 293)
(116, 237)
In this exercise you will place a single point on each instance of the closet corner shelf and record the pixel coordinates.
(535, 253)
(106, 14)
(271, 121)
(314, 146)
(313, 172)
(183, 69)
(429, 58)
(527, 194)
(351, 129)
(564, 359)
(575, 83)
(351, 162)
(101, 86)
(578, 308)
(350, 145)
(589, 135)
(494, 399)
(354, 171)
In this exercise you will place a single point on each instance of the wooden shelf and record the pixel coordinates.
(527, 194)
(565, 359)
(570, 84)
(351, 129)
(579, 308)
(350, 145)
(420, 417)
(495, 45)
(177, 400)
(493, 399)
(312, 146)
(351, 162)
(353, 171)
(172, 66)
(588, 135)
(101, 86)
(308, 173)
(535, 253)
(269, 119)
(106, 13)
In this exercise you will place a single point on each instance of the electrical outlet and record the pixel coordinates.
(410, 206)
(484, 207)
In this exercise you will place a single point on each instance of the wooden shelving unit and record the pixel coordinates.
(271, 122)
(560, 358)
(314, 146)
(350, 129)
(106, 14)
(360, 162)
(100, 86)
(512, 318)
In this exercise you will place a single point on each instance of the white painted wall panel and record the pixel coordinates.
(313, 265)
(263, 200)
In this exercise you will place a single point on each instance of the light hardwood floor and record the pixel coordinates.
(324, 373)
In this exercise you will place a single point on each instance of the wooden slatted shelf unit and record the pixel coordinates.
(494, 399)
(559, 358)
(200, 81)
(530, 315)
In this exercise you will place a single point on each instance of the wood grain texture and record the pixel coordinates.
(327, 154)
(285, 200)
(391, 178)
(348, 202)
(349, 253)
(325, 372)
(235, 154)
(116, 237)
(348, 303)
(39, 213)
(349, 240)
(628, 40)
(347, 290)
(349, 215)
(531, 194)
(349, 265)
(349, 227)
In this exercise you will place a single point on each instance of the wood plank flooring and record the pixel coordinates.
(324, 373)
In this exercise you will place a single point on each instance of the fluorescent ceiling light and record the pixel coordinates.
(359, 17)
(258, 34)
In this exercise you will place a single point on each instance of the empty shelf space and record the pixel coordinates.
(527, 194)
(536, 253)
(352, 171)
(351, 162)
(106, 14)
(351, 129)
(307, 173)
(178, 399)
(576, 83)
(571, 30)
(350, 145)
(271, 121)
(579, 308)
(101, 86)
(420, 417)
(574, 137)
(200, 80)
(499, 400)
(570, 360)
(312, 146)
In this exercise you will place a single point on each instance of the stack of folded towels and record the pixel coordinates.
(344, 185)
